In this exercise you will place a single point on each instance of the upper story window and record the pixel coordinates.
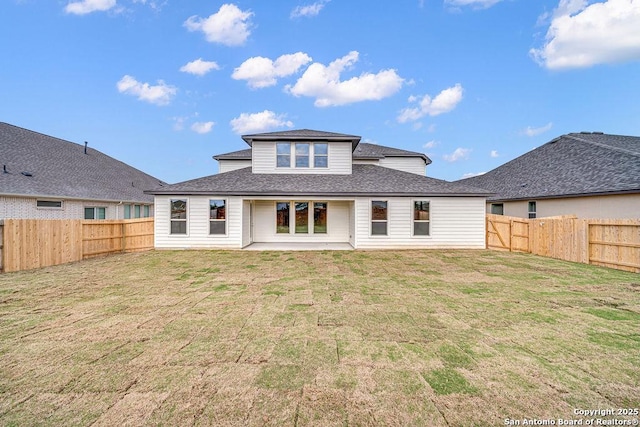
(305, 155)
(283, 154)
(302, 155)
(320, 155)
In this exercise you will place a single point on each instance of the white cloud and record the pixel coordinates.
(259, 122)
(323, 82)
(529, 131)
(87, 6)
(444, 102)
(262, 72)
(161, 94)
(474, 3)
(229, 26)
(472, 174)
(458, 154)
(494, 154)
(431, 144)
(199, 67)
(582, 35)
(202, 127)
(309, 10)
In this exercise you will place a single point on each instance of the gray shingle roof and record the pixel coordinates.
(366, 180)
(570, 165)
(60, 169)
(364, 150)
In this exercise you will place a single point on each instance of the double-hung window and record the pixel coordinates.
(379, 215)
(302, 155)
(421, 218)
(283, 155)
(320, 155)
(178, 216)
(218, 216)
(95, 213)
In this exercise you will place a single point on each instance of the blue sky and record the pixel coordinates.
(164, 85)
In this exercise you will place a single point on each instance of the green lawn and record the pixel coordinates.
(426, 338)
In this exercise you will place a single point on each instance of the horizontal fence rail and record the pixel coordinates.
(33, 243)
(613, 243)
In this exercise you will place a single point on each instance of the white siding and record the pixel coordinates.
(456, 222)
(246, 223)
(264, 160)
(198, 224)
(265, 223)
(231, 165)
(25, 208)
(407, 164)
(613, 207)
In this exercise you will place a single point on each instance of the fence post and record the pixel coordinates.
(1, 245)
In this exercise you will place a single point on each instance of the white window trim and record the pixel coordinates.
(84, 208)
(292, 217)
(50, 208)
(535, 213)
(226, 219)
(187, 219)
(312, 155)
(421, 236)
(371, 220)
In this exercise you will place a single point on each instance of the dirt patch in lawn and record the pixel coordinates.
(316, 338)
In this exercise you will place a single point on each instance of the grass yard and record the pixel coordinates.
(424, 338)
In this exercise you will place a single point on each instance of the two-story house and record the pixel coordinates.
(311, 189)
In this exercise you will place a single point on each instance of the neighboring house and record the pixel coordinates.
(43, 177)
(591, 175)
(309, 186)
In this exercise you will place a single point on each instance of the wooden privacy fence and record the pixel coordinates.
(32, 243)
(613, 243)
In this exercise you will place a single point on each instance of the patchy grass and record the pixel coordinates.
(437, 338)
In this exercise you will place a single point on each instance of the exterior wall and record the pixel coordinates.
(198, 224)
(25, 208)
(455, 222)
(597, 207)
(247, 232)
(265, 223)
(407, 164)
(264, 160)
(231, 165)
(366, 162)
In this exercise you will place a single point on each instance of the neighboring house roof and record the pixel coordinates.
(572, 165)
(365, 180)
(363, 151)
(60, 169)
(302, 135)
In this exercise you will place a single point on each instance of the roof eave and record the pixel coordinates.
(565, 196)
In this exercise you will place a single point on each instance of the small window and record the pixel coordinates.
(95, 213)
(178, 216)
(218, 216)
(320, 155)
(302, 155)
(532, 210)
(378, 218)
(283, 155)
(319, 218)
(147, 211)
(282, 217)
(127, 211)
(51, 204)
(136, 211)
(497, 208)
(302, 217)
(421, 218)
